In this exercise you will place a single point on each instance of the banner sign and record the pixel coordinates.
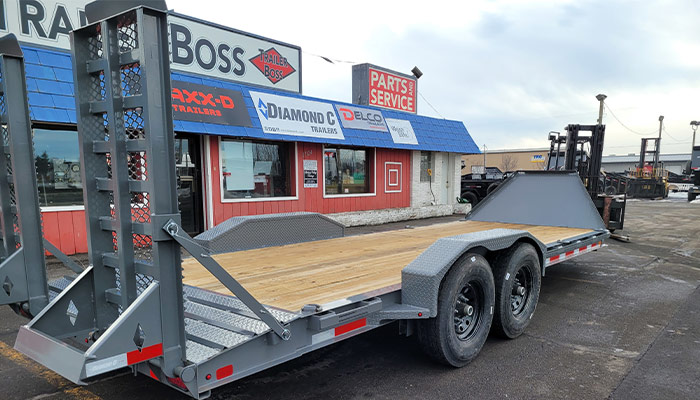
(220, 52)
(195, 46)
(361, 118)
(376, 86)
(284, 115)
(200, 103)
(401, 131)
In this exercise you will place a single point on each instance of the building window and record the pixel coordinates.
(346, 171)
(252, 170)
(426, 162)
(57, 157)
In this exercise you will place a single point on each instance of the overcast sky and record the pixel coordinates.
(510, 70)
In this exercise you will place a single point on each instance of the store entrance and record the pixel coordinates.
(189, 182)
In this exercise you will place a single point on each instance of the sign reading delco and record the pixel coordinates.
(361, 118)
(200, 103)
(195, 47)
(42, 22)
(375, 86)
(284, 115)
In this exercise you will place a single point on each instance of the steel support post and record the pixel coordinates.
(17, 133)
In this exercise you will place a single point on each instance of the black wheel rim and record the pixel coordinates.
(521, 290)
(468, 310)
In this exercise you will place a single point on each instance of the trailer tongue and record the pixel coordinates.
(244, 307)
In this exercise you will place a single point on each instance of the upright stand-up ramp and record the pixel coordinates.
(23, 268)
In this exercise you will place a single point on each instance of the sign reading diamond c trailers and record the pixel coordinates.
(283, 115)
(376, 86)
(361, 118)
(220, 52)
(200, 103)
(195, 46)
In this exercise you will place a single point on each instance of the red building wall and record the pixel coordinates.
(67, 231)
(311, 199)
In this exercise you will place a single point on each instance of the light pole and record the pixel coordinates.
(601, 98)
(694, 127)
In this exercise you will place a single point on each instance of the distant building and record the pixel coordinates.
(675, 163)
(507, 160)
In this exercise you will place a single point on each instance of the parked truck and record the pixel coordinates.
(261, 290)
(694, 190)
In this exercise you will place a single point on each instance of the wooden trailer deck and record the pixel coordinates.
(320, 272)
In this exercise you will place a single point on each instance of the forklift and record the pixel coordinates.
(649, 179)
(583, 154)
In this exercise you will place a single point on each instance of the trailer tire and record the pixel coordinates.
(492, 187)
(471, 197)
(518, 278)
(692, 196)
(465, 311)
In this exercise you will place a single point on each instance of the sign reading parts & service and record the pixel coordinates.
(361, 118)
(200, 103)
(282, 115)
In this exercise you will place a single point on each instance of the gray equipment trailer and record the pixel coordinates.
(129, 308)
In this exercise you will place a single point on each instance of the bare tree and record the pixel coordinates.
(508, 163)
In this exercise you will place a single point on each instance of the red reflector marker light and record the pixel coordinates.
(224, 372)
(351, 326)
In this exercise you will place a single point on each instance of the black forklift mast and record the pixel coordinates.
(587, 165)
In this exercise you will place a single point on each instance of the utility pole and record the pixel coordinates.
(601, 98)
(658, 143)
(694, 127)
(484, 158)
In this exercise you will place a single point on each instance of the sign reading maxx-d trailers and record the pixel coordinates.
(195, 46)
(283, 115)
(200, 103)
(375, 86)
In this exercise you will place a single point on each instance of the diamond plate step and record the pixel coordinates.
(58, 285)
(231, 303)
(214, 334)
(197, 353)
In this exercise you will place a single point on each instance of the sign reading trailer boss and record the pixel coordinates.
(223, 53)
(284, 115)
(200, 103)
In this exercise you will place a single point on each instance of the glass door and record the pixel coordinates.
(189, 182)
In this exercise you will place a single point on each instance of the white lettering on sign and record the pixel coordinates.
(401, 131)
(284, 115)
(392, 91)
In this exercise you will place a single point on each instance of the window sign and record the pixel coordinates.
(310, 173)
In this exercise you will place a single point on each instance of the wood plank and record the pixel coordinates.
(319, 272)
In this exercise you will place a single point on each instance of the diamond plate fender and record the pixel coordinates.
(258, 231)
(421, 279)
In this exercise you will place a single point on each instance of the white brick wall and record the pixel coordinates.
(445, 181)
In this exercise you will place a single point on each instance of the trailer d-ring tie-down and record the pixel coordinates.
(204, 257)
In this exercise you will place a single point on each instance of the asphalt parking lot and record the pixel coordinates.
(622, 323)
